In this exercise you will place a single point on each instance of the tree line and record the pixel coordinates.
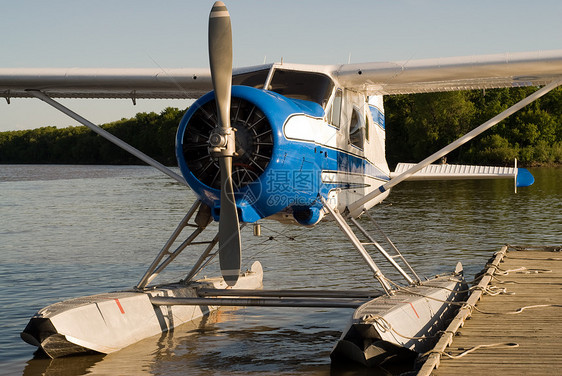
(417, 125)
(153, 134)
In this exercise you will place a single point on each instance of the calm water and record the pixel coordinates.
(69, 231)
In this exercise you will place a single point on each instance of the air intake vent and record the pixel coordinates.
(254, 143)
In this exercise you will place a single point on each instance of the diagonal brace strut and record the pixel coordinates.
(108, 136)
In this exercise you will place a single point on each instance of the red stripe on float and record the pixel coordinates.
(120, 306)
(414, 310)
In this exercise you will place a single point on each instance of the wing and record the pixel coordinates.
(105, 83)
(457, 73)
(522, 176)
(109, 83)
(402, 77)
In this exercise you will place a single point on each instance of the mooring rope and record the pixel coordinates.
(401, 288)
(522, 270)
(518, 310)
(491, 290)
(472, 349)
(386, 326)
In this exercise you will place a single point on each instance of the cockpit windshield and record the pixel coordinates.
(308, 86)
(254, 79)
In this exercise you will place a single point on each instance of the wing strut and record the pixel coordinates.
(340, 220)
(108, 136)
(357, 205)
(165, 257)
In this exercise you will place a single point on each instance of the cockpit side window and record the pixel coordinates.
(308, 86)
(357, 128)
(334, 114)
(253, 79)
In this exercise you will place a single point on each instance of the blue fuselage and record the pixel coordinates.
(300, 165)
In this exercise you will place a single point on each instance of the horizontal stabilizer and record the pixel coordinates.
(456, 172)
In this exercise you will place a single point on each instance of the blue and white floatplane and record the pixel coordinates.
(300, 144)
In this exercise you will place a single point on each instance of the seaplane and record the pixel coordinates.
(300, 144)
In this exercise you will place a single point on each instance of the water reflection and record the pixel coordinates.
(71, 233)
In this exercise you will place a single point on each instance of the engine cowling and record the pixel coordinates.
(266, 163)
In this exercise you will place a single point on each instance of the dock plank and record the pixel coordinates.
(532, 278)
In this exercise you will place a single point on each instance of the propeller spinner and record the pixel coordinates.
(222, 142)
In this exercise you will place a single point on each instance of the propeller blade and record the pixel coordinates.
(222, 140)
(220, 58)
(230, 246)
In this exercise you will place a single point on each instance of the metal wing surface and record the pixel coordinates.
(387, 78)
(455, 73)
(105, 83)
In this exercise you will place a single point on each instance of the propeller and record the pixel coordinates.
(222, 142)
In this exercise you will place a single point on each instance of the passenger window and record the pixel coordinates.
(356, 129)
(335, 112)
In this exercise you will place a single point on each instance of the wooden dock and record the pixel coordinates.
(511, 323)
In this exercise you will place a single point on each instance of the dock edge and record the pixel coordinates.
(434, 358)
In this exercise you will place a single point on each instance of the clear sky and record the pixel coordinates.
(173, 34)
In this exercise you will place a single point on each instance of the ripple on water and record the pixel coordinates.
(78, 230)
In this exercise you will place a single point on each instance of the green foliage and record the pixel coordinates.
(418, 125)
(496, 150)
(152, 133)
